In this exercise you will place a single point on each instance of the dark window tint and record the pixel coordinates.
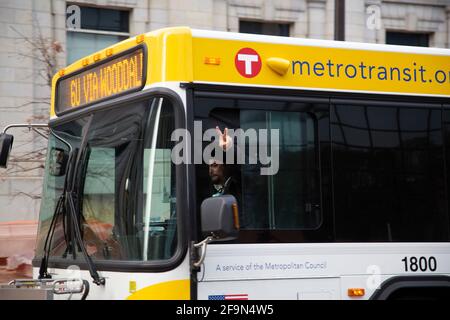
(388, 174)
(267, 28)
(407, 38)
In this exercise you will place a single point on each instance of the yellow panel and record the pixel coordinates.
(170, 55)
(170, 290)
(353, 74)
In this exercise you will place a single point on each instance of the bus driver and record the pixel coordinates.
(221, 174)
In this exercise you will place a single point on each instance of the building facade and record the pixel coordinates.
(39, 36)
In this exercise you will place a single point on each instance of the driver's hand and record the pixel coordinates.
(225, 140)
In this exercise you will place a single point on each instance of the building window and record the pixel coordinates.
(267, 28)
(99, 28)
(408, 38)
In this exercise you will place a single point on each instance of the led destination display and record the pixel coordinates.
(119, 75)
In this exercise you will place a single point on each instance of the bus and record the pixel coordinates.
(350, 202)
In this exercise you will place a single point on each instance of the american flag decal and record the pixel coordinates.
(242, 296)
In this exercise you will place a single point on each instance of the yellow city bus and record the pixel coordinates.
(356, 208)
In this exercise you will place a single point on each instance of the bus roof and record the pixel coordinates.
(182, 54)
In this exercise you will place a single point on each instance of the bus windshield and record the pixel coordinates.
(124, 184)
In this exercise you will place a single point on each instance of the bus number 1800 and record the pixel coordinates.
(423, 264)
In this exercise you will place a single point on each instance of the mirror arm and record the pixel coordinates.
(30, 126)
(202, 244)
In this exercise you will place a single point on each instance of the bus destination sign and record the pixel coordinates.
(122, 74)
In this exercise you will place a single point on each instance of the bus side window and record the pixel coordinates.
(388, 173)
(280, 193)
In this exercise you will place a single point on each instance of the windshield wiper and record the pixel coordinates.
(66, 201)
(70, 204)
(43, 274)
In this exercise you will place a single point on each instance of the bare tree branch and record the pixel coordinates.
(45, 52)
(46, 48)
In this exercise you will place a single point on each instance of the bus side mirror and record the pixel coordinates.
(220, 217)
(58, 162)
(6, 142)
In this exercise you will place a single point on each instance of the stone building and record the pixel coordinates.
(39, 36)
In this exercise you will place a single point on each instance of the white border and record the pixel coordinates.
(197, 33)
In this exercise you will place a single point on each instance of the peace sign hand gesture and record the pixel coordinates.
(225, 140)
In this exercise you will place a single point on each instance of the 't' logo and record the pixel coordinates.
(248, 62)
